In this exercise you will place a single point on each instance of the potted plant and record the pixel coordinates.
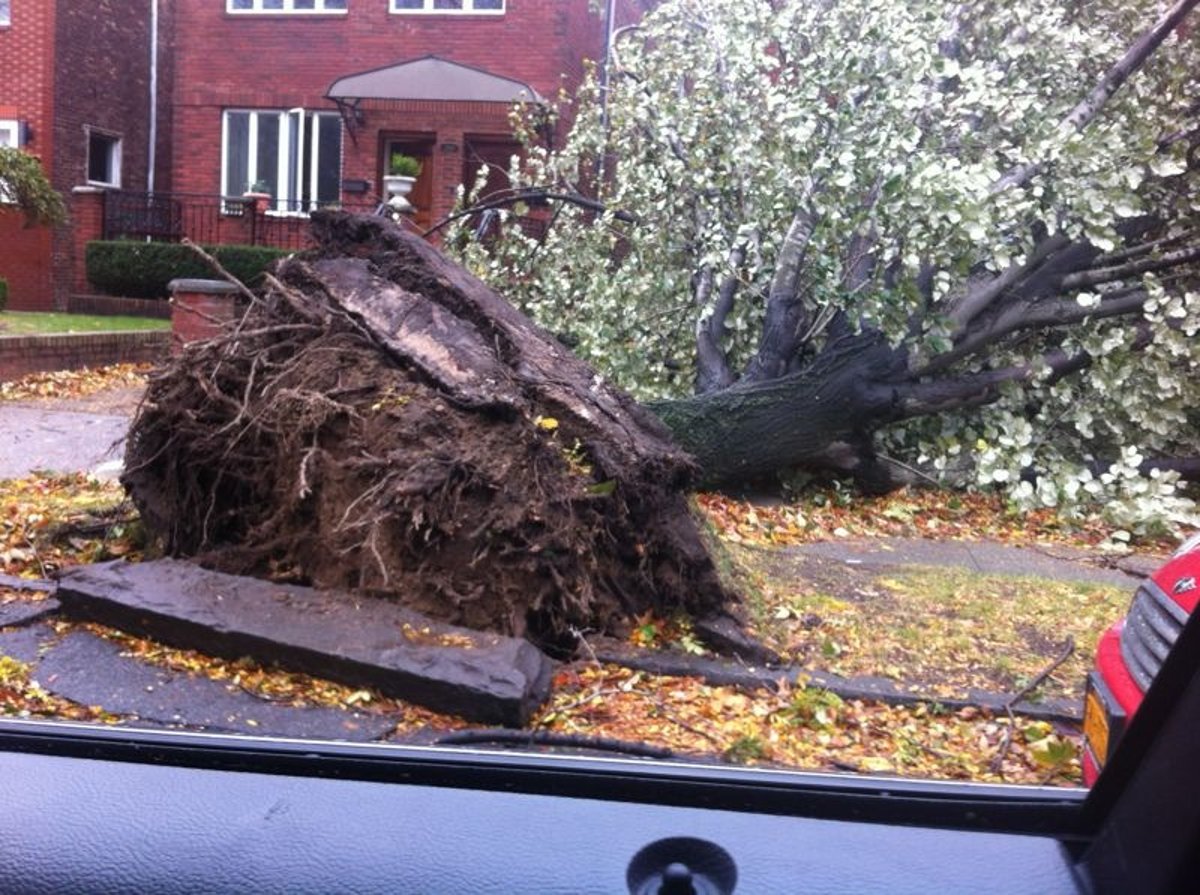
(403, 171)
(259, 195)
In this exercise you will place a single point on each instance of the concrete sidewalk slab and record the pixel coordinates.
(33, 438)
(984, 557)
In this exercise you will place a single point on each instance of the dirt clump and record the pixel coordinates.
(380, 421)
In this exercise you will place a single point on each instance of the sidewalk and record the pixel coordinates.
(75, 435)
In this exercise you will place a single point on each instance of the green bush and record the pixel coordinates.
(3, 293)
(143, 269)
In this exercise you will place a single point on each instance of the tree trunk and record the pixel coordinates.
(821, 415)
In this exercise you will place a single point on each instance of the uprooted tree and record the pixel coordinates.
(381, 421)
(961, 236)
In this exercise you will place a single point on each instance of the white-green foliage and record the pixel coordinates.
(724, 119)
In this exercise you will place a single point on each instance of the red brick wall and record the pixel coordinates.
(20, 355)
(102, 82)
(283, 61)
(197, 315)
(26, 73)
(25, 264)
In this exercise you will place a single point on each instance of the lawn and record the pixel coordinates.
(33, 323)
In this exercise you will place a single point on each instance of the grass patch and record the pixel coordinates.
(31, 323)
(944, 630)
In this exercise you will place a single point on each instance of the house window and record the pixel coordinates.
(284, 6)
(9, 137)
(436, 7)
(294, 155)
(103, 159)
(5, 14)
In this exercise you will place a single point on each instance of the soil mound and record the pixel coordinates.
(380, 421)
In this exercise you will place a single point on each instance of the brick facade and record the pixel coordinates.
(26, 73)
(273, 61)
(68, 68)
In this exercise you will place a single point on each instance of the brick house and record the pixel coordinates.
(74, 90)
(304, 100)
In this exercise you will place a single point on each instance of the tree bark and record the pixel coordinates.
(822, 415)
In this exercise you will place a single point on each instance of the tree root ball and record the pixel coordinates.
(380, 421)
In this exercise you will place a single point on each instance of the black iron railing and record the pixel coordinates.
(207, 219)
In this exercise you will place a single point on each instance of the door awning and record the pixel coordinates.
(430, 78)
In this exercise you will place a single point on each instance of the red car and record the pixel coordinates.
(1132, 650)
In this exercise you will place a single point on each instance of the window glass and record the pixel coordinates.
(447, 6)
(104, 159)
(237, 153)
(285, 6)
(8, 138)
(5, 12)
(294, 156)
(267, 156)
(329, 149)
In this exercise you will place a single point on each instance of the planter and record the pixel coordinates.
(397, 187)
(259, 201)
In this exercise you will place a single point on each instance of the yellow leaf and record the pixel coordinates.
(548, 423)
(876, 763)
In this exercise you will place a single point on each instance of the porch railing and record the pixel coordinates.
(209, 219)
(206, 219)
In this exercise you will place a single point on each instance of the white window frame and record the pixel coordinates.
(429, 10)
(5, 13)
(11, 127)
(114, 157)
(288, 9)
(289, 175)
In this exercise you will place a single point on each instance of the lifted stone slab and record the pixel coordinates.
(25, 600)
(362, 641)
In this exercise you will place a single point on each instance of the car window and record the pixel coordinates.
(804, 386)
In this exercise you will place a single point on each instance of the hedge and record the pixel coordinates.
(143, 269)
(3, 293)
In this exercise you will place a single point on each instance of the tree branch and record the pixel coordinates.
(1144, 248)
(712, 364)
(978, 300)
(978, 389)
(1087, 278)
(531, 195)
(1088, 108)
(786, 315)
(1044, 314)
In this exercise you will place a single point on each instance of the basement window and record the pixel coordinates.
(439, 7)
(104, 159)
(285, 6)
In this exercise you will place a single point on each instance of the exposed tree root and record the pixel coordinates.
(381, 421)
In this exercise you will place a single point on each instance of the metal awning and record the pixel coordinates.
(430, 78)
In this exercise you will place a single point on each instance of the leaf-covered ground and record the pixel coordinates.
(939, 631)
(931, 628)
